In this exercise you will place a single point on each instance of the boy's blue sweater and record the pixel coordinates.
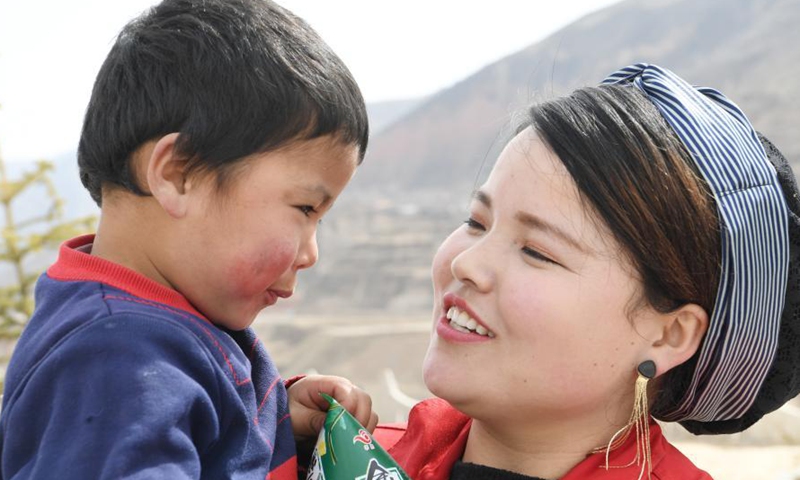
(117, 376)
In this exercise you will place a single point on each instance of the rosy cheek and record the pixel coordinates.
(255, 273)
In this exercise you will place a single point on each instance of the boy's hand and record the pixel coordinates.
(308, 409)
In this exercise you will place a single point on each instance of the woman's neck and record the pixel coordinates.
(546, 450)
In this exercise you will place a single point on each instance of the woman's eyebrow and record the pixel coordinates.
(482, 197)
(535, 222)
(538, 223)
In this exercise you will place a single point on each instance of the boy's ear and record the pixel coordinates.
(166, 175)
(681, 333)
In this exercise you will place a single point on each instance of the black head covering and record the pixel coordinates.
(783, 378)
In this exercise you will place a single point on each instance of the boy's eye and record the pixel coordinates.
(473, 224)
(307, 210)
(536, 255)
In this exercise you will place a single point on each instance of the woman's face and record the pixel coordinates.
(534, 310)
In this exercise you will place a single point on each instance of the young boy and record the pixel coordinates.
(219, 132)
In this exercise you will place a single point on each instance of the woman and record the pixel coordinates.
(632, 254)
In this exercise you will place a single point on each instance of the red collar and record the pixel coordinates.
(74, 264)
(436, 436)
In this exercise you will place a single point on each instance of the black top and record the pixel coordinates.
(471, 471)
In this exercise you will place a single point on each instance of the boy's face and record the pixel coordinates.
(239, 250)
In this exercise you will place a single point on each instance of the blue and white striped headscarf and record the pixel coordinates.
(742, 337)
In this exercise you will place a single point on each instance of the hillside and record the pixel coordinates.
(749, 49)
(413, 188)
(384, 114)
(425, 154)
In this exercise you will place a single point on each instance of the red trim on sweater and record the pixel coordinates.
(76, 265)
(291, 381)
(285, 471)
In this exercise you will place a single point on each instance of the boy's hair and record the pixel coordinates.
(233, 77)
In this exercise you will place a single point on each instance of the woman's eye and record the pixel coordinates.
(307, 210)
(473, 224)
(537, 256)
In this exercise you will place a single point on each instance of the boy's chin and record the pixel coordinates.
(236, 324)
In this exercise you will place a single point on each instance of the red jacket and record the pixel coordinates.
(436, 435)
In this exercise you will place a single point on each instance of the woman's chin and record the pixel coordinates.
(444, 382)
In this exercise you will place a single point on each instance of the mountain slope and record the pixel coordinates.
(748, 49)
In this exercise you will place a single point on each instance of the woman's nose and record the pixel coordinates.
(475, 266)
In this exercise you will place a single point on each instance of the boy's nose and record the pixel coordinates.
(473, 267)
(308, 254)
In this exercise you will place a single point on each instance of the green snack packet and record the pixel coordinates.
(346, 451)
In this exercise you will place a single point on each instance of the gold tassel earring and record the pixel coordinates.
(639, 422)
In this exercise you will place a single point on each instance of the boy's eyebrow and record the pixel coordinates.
(533, 221)
(321, 191)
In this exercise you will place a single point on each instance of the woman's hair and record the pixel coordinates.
(634, 172)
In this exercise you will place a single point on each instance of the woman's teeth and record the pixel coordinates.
(462, 322)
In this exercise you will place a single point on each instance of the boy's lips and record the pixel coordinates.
(272, 295)
(281, 293)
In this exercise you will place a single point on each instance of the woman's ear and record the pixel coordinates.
(165, 174)
(681, 333)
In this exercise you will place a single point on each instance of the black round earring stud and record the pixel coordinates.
(647, 369)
